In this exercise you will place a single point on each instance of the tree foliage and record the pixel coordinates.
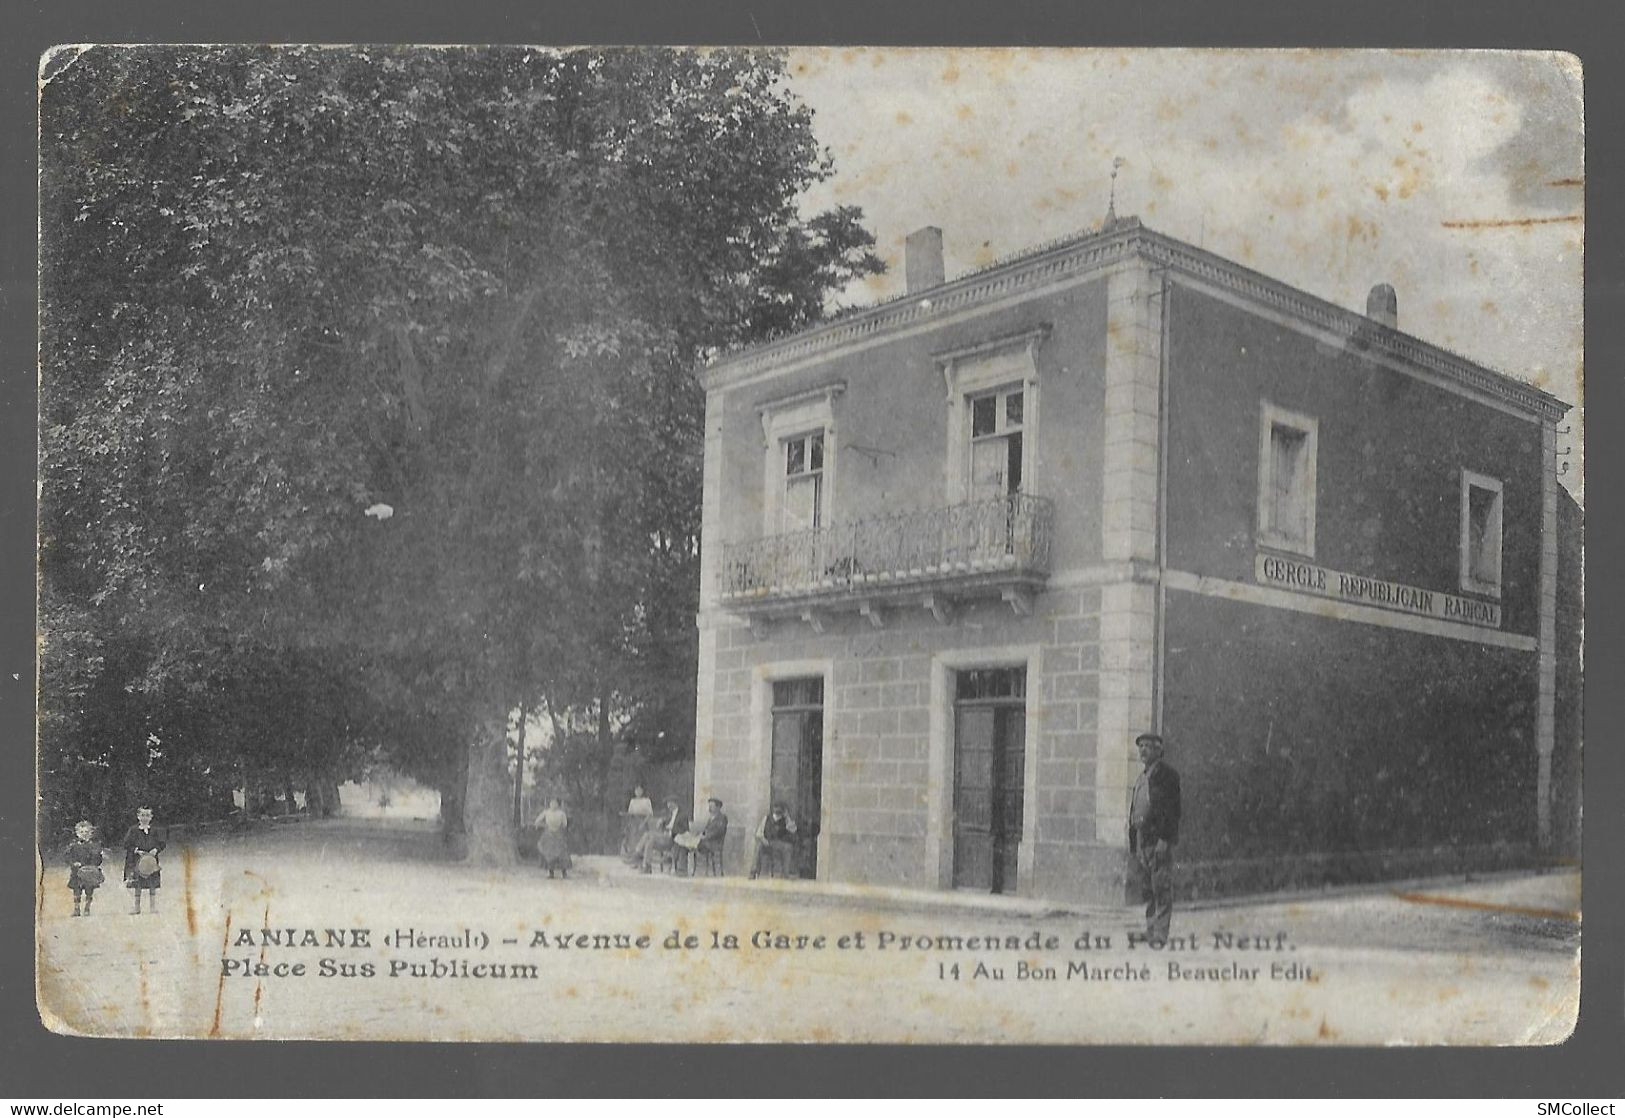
(380, 360)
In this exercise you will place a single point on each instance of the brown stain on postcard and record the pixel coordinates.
(188, 859)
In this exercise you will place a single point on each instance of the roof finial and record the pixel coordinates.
(1111, 205)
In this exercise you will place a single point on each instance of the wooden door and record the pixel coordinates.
(989, 777)
(797, 776)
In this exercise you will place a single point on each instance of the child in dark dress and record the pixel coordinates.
(84, 865)
(142, 843)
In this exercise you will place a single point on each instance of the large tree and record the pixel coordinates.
(383, 358)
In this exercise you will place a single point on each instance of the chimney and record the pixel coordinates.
(1383, 305)
(922, 259)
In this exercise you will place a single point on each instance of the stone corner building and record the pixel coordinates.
(960, 547)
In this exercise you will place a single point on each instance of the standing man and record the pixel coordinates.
(1153, 830)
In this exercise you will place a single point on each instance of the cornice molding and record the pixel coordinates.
(773, 411)
(1091, 252)
(1028, 340)
(825, 392)
(1402, 347)
(1042, 266)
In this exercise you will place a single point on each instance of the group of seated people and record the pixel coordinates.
(651, 838)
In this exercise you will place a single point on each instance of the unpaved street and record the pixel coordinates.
(404, 945)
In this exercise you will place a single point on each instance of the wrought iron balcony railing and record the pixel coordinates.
(976, 541)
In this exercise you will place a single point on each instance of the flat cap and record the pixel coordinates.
(1148, 739)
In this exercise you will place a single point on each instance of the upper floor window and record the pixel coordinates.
(1286, 480)
(798, 435)
(1481, 499)
(992, 415)
(803, 503)
(996, 445)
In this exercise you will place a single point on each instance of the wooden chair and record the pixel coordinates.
(778, 860)
(691, 859)
(710, 856)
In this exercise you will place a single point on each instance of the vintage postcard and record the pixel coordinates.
(863, 545)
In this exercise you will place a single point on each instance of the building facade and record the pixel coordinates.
(959, 548)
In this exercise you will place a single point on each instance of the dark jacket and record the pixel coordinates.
(138, 842)
(777, 830)
(87, 853)
(715, 830)
(1162, 822)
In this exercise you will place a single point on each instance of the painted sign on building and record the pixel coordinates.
(1307, 578)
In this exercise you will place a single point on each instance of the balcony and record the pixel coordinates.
(931, 557)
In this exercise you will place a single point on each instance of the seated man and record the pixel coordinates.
(776, 837)
(709, 839)
(663, 838)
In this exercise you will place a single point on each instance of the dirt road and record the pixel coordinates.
(345, 930)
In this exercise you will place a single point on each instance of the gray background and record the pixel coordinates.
(50, 1068)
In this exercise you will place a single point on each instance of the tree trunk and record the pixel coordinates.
(605, 756)
(108, 805)
(519, 776)
(119, 792)
(330, 796)
(316, 802)
(453, 794)
(491, 840)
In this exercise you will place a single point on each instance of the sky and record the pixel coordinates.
(1455, 176)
